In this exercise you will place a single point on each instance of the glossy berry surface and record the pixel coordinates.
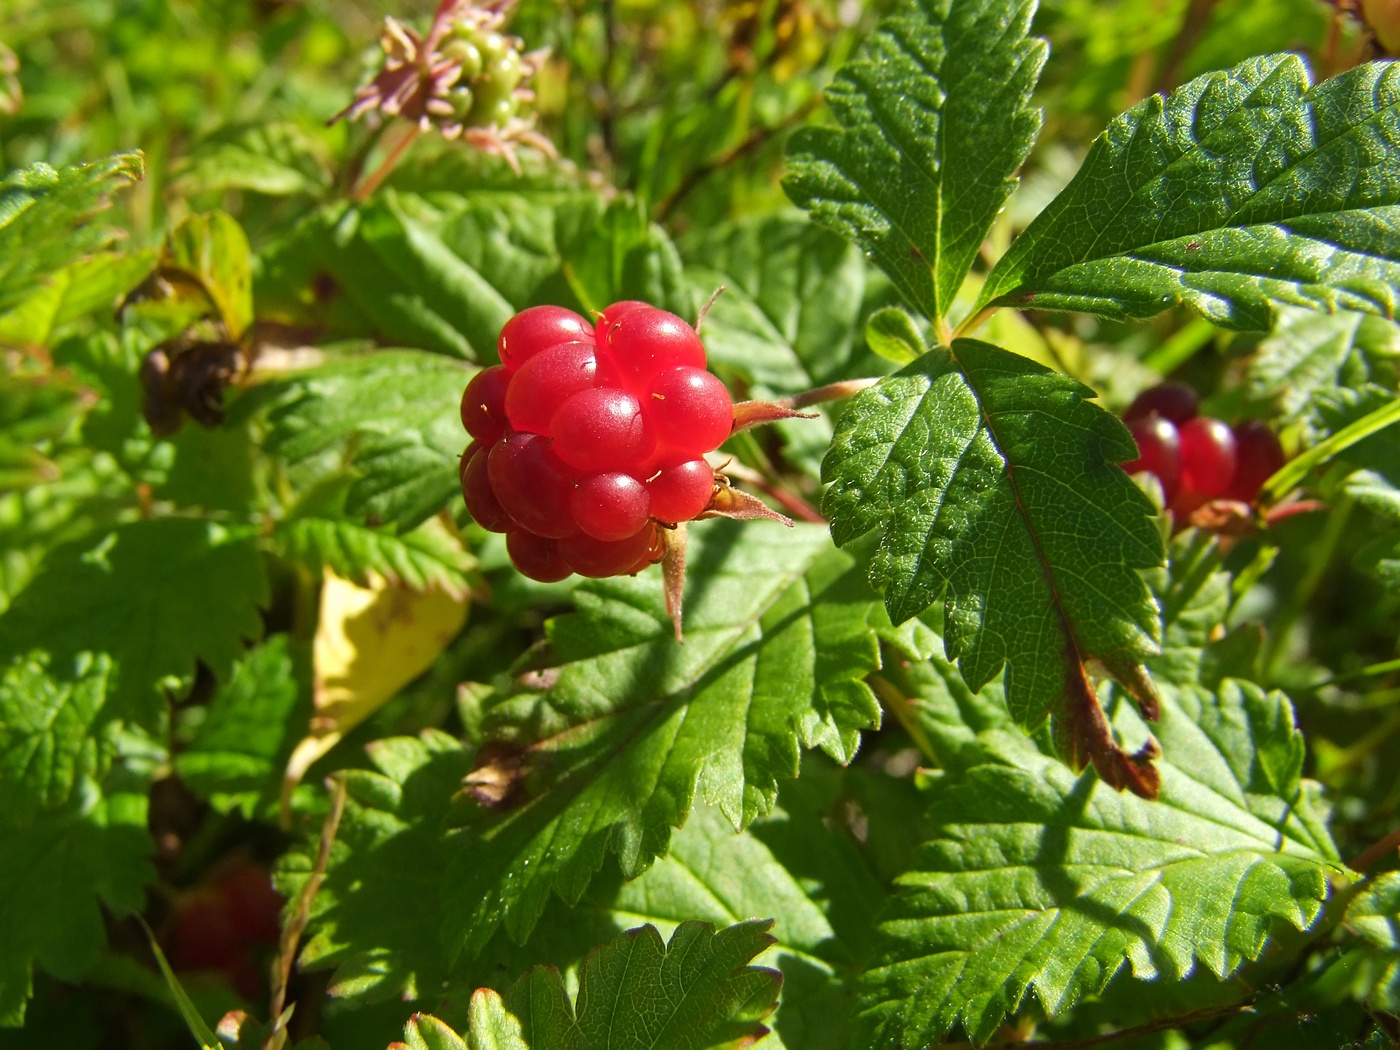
(1258, 455)
(1159, 451)
(1207, 457)
(1175, 402)
(588, 440)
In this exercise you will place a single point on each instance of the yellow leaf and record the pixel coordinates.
(370, 642)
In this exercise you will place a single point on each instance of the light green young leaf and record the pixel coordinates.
(119, 619)
(1374, 916)
(45, 218)
(780, 633)
(1040, 882)
(893, 335)
(1239, 191)
(89, 285)
(933, 120)
(426, 1032)
(640, 993)
(213, 250)
(994, 484)
(53, 875)
(391, 417)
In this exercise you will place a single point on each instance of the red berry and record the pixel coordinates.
(1258, 455)
(610, 506)
(546, 381)
(643, 342)
(613, 314)
(539, 328)
(202, 936)
(602, 429)
(1207, 457)
(253, 907)
(1159, 451)
(680, 492)
(536, 557)
(484, 404)
(690, 409)
(1173, 401)
(601, 558)
(480, 497)
(532, 485)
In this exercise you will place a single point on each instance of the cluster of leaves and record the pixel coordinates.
(981, 746)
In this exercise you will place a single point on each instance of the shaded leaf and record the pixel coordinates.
(278, 159)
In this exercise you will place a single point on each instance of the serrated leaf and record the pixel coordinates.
(492, 1027)
(153, 597)
(640, 993)
(390, 416)
(426, 1032)
(1374, 916)
(779, 635)
(933, 120)
(1240, 190)
(237, 753)
(54, 873)
(425, 558)
(994, 484)
(45, 218)
(1042, 883)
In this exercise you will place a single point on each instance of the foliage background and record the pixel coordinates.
(160, 593)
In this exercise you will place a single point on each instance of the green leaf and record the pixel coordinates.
(893, 335)
(1306, 351)
(391, 417)
(933, 120)
(94, 283)
(213, 251)
(492, 1027)
(35, 410)
(611, 253)
(314, 535)
(1239, 191)
(45, 218)
(1041, 882)
(641, 993)
(151, 599)
(279, 159)
(237, 754)
(780, 633)
(994, 484)
(426, 1032)
(1374, 917)
(54, 873)
(188, 1011)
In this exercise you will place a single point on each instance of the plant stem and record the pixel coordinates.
(1377, 851)
(373, 179)
(830, 392)
(897, 704)
(296, 925)
(971, 324)
(1181, 347)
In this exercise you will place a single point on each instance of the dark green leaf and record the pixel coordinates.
(120, 619)
(1238, 191)
(995, 482)
(54, 873)
(239, 750)
(44, 218)
(613, 253)
(1046, 883)
(1374, 916)
(933, 120)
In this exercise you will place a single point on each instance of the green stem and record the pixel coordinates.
(373, 179)
(1181, 347)
(1293, 472)
(897, 704)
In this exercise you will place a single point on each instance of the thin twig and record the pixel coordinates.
(373, 179)
(756, 137)
(296, 925)
(1376, 852)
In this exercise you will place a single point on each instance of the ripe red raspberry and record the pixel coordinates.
(587, 442)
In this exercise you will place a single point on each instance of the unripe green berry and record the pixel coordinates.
(496, 111)
(467, 55)
(461, 99)
(492, 47)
